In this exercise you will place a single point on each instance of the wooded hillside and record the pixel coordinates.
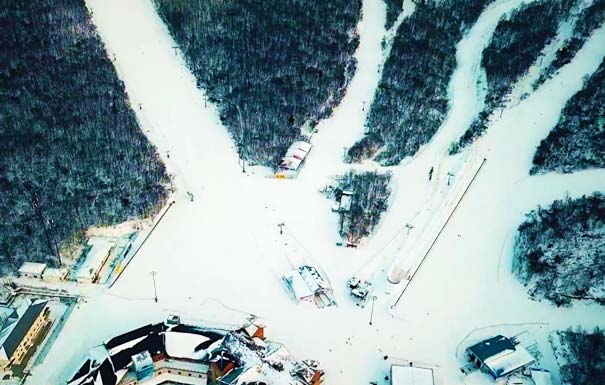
(515, 45)
(577, 142)
(272, 66)
(71, 154)
(411, 100)
(580, 355)
(560, 250)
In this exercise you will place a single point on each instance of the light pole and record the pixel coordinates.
(155, 290)
(372, 312)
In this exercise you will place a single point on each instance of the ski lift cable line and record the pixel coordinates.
(439, 233)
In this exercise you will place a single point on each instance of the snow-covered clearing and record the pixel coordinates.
(218, 256)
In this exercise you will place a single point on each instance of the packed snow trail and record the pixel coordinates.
(464, 104)
(466, 258)
(346, 124)
(171, 108)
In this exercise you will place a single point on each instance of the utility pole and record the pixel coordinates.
(449, 177)
(175, 47)
(281, 228)
(372, 312)
(155, 290)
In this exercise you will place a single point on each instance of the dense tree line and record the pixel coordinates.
(411, 100)
(369, 200)
(272, 66)
(394, 8)
(560, 250)
(71, 154)
(590, 18)
(577, 142)
(515, 45)
(581, 356)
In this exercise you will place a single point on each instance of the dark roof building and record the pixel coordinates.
(491, 346)
(500, 356)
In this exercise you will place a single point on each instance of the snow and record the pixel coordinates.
(95, 259)
(299, 287)
(541, 377)
(182, 345)
(411, 375)
(508, 361)
(54, 274)
(221, 257)
(32, 269)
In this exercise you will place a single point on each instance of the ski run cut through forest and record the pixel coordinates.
(344, 191)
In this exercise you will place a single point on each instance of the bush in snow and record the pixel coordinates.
(577, 142)
(411, 99)
(71, 154)
(369, 200)
(272, 66)
(580, 355)
(516, 44)
(560, 250)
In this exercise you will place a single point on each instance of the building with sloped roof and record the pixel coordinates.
(292, 160)
(500, 356)
(32, 269)
(172, 352)
(19, 331)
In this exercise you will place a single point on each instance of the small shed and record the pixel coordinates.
(54, 275)
(305, 283)
(32, 270)
(500, 356)
(411, 375)
(343, 203)
(143, 365)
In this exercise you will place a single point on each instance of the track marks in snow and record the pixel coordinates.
(464, 104)
(163, 92)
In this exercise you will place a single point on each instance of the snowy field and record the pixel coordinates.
(220, 256)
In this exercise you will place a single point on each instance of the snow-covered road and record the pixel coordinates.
(214, 256)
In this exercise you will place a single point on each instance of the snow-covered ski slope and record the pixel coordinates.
(218, 256)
